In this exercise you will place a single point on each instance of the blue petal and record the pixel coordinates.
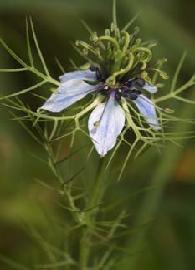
(79, 75)
(72, 88)
(150, 88)
(147, 109)
(105, 124)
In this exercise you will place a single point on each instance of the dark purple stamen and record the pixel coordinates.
(130, 89)
(136, 83)
(125, 92)
(100, 75)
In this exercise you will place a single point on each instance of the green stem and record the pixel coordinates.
(178, 91)
(94, 201)
(66, 189)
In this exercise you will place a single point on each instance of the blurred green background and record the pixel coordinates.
(25, 204)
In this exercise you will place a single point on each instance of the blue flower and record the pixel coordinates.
(108, 119)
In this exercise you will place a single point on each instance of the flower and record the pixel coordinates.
(107, 120)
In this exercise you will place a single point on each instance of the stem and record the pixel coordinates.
(32, 69)
(94, 201)
(52, 165)
(47, 78)
(178, 91)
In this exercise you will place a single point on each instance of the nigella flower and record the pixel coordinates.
(108, 119)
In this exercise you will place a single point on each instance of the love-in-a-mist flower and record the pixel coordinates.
(108, 119)
(119, 72)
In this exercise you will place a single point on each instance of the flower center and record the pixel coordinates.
(130, 90)
(127, 88)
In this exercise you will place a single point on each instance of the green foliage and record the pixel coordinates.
(95, 224)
